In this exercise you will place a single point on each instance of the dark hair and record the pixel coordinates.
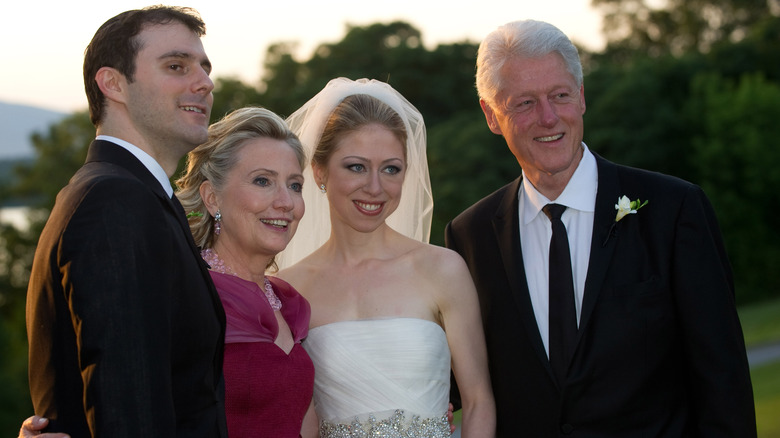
(115, 45)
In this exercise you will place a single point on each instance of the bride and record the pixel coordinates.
(391, 314)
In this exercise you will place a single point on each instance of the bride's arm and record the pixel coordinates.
(462, 320)
(310, 427)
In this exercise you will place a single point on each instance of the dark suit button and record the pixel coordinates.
(567, 428)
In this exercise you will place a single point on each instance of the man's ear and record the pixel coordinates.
(112, 83)
(490, 117)
(209, 196)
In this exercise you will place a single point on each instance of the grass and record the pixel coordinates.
(766, 391)
(761, 322)
(761, 325)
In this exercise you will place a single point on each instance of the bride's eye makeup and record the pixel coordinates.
(393, 169)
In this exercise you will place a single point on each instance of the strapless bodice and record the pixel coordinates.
(380, 375)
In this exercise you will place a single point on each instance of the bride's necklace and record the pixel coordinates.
(218, 265)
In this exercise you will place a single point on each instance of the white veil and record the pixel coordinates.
(415, 210)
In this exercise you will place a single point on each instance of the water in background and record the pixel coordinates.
(16, 216)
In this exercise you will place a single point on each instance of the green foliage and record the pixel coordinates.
(388, 52)
(766, 393)
(761, 326)
(466, 162)
(15, 403)
(760, 323)
(378, 51)
(740, 170)
(710, 119)
(674, 92)
(231, 94)
(59, 152)
(677, 26)
(633, 114)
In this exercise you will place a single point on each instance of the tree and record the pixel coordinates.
(376, 51)
(467, 161)
(391, 53)
(690, 116)
(634, 113)
(678, 26)
(740, 170)
(59, 152)
(16, 248)
(231, 94)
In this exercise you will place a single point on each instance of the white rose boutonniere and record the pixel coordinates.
(624, 207)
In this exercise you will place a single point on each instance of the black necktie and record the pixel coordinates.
(562, 316)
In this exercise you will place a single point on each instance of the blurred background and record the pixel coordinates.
(686, 87)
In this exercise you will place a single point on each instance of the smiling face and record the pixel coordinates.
(169, 101)
(364, 176)
(538, 110)
(261, 202)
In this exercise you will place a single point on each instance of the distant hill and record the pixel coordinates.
(17, 123)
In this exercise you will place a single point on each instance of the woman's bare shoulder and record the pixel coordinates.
(439, 259)
(302, 273)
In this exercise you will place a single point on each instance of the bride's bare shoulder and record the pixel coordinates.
(439, 260)
(302, 273)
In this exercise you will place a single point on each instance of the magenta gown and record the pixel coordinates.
(267, 391)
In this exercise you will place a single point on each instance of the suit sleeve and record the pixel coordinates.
(117, 254)
(716, 363)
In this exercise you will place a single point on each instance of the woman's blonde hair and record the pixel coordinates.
(214, 159)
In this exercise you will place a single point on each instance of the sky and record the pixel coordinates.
(42, 42)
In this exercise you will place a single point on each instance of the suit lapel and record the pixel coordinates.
(601, 248)
(109, 152)
(506, 225)
(105, 151)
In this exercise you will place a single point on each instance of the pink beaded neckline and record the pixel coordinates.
(218, 265)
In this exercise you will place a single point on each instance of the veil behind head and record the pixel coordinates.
(415, 210)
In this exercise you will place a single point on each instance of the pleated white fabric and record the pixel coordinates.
(376, 367)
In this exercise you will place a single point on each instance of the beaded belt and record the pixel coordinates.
(396, 426)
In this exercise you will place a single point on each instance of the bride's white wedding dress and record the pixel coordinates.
(381, 377)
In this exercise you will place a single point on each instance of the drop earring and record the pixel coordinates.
(218, 222)
(323, 189)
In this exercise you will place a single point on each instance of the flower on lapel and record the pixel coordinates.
(194, 213)
(626, 206)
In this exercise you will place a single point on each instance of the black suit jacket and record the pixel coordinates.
(125, 328)
(659, 350)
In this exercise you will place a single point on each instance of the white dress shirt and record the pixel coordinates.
(579, 197)
(146, 159)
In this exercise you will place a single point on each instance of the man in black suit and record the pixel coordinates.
(125, 328)
(655, 346)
